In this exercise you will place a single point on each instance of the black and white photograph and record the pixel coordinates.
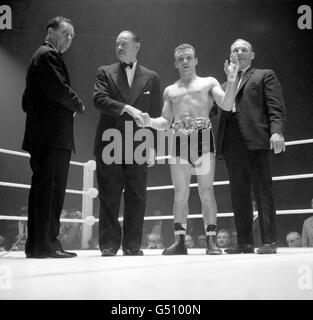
(156, 154)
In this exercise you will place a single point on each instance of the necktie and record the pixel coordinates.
(239, 74)
(125, 65)
(238, 78)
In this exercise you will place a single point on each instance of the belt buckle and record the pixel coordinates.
(202, 123)
(176, 125)
(188, 123)
(198, 123)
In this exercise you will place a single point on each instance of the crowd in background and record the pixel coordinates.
(156, 234)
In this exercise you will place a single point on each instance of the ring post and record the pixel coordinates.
(87, 201)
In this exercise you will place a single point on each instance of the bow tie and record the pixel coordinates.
(125, 65)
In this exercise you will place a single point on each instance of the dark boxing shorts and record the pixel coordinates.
(192, 138)
(183, 145)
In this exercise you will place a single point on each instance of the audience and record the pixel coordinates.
(307, 231)
(293, 239)
(71, 232)
(20, 239)
(93, 243)
(189, 241)
(223, 239)
(233, 239)
(202, 241)
(154, 241)
(2, 243)
(152, 226)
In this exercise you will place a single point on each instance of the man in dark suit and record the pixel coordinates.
(122, 92)
(50, 105)
(245, 137)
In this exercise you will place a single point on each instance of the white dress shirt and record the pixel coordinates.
(130, 72)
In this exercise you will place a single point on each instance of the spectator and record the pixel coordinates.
(223, 238)
(20, 244)
(189, 241)
(233, 239)
(2, 243)
(22, 225)
(93, 243)
(154, 241)
(293, 239)
(70, 233)
(202, 241)
(20, 240)
(153, 226)
(307, 231)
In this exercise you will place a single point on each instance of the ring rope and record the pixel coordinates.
(165, 217)
(192, 185)
(27, 155)
(220, 183)
(90, 192)
(287, 144)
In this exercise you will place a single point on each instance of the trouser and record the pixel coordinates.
(112, 179)
(248, 168)
(46, 197)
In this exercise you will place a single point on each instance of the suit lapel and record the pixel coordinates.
(66, 72)
(139, 82)
(245, 78)
(119, 78)
(48, 44)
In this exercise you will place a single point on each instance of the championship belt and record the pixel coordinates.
(189, 124)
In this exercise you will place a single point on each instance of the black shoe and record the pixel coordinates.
(36, 255)
(133, 252)
(241, 248)
(179, 247)
(59, 254)
(110, 252)
(212, 248)
(268, 248)
(71, 254)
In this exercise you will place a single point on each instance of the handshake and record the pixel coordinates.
(142, 119)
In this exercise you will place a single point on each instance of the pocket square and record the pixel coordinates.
(146, 92)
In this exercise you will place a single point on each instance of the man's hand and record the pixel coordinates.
(146, 120)
(231, 69)
(277, 142)
(135, 114)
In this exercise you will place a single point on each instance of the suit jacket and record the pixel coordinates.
(260, 110)
(112, 93)
(49, 102)
(307, 232)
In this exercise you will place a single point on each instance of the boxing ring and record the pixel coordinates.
(196, 276)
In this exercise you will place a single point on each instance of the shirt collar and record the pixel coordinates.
(52, 46)
(245, 69)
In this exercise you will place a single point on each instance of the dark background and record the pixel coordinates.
(210, 26)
